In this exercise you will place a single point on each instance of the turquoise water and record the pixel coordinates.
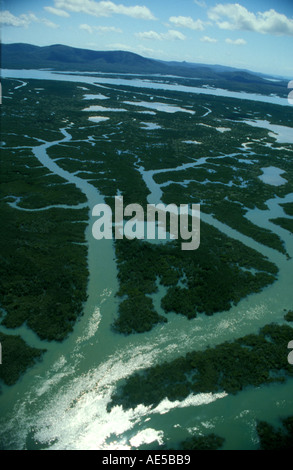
(62, 402)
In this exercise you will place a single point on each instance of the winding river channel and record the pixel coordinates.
(62, 402)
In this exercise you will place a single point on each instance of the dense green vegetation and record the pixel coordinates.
(201, 281)
(226, 195)
(109, 154)
(137, 314)
(287, 224)
(17, 356)
(43, 270)
(111, 173)
(288, 208)
(253, 360)
(32, 186)
(276, 438)
(43, 253)
(289, 316)
(226, 185)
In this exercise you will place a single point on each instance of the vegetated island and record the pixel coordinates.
(272, 438)
(230, 367)
(17, 357)
(208, 280)
(289, 316)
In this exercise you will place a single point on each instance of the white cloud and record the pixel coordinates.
(108, 29)
(208, 39)
(49, 23)
(187, 22)
(201, 4)
(236, 17)
(236, 42)
(149, 35)
(87, 27)
(8, 19)
(170, 35)
(24, 20)
(57, 11)
(104, 8)
(100, 29)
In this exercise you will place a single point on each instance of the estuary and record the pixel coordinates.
(63, 401)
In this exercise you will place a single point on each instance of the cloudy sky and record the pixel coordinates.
(252, 34)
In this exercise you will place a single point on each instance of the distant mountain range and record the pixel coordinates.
(65, 58)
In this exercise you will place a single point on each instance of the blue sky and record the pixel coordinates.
(251, 34)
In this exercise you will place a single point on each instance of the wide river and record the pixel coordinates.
(62, 402)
